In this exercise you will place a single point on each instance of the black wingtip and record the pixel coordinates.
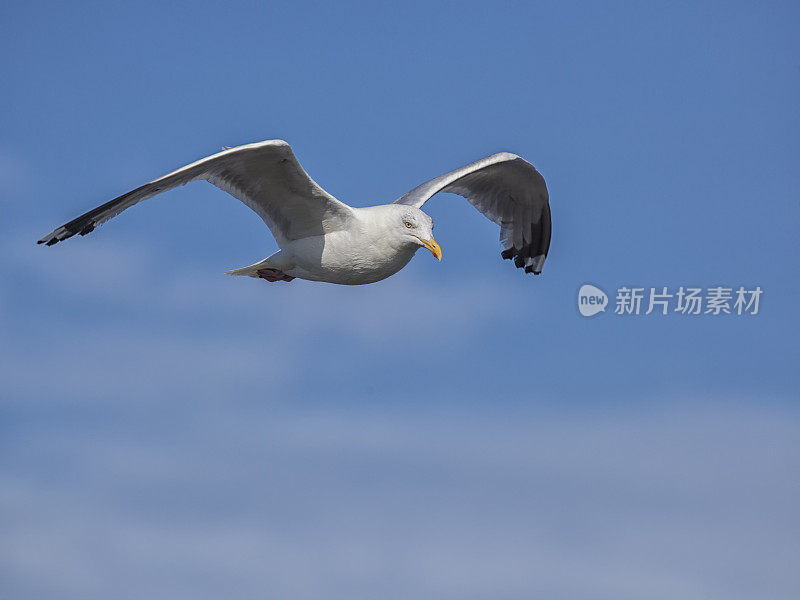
(78, 227)
(531, 256)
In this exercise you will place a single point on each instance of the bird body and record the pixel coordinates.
(368, 252)
(323, 239)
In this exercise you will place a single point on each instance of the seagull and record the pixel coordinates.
(323, 239)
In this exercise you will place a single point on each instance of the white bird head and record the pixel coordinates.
(412, 225)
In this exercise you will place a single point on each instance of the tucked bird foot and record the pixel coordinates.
(273, 275)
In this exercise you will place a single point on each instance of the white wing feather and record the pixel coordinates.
(507, 190)
(266, 176)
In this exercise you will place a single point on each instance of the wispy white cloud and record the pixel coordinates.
(113, 320)
(689, 504)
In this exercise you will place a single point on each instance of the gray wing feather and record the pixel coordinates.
(265, 176)
(507, 190)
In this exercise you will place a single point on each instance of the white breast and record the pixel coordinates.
(347, 257)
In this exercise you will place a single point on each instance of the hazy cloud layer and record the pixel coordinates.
(340, 504)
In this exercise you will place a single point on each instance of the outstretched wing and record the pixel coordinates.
(265, 176)
(510, 192)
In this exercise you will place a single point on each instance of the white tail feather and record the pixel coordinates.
(252, 270)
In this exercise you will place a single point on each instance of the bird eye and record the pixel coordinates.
(409, 225)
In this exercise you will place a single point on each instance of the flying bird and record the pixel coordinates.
(323, 239)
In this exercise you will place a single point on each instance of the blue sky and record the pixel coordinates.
(458, 430)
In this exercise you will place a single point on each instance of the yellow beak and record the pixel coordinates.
(433, 247)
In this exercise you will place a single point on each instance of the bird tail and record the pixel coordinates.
(252, 270)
